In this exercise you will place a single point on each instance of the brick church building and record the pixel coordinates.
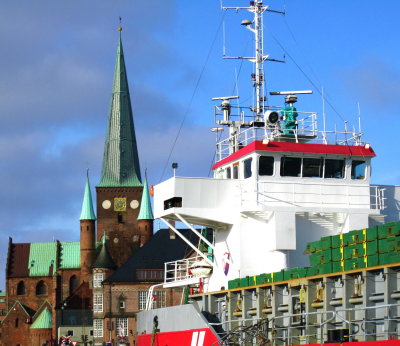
(91, 290)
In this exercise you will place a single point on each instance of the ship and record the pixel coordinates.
(296, 247)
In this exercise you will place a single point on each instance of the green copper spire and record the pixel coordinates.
(121, 160)
(145, 212)
(104, 260)
(87, 205)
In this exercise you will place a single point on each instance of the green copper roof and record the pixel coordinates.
(120, 160)
(41, 257)
(104, 260)
(145, 212)
(87, 205)
(2, 294)
(43, 321)
(70, 255)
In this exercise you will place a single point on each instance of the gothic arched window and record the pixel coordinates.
(41, 288)
(21, 291)
(73, 284)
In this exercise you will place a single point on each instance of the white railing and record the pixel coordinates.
(179, 270)
(312, 195)
(306, 130)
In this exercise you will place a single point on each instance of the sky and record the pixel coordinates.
(56, 69)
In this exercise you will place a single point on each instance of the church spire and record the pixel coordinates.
(120, 161)
(87, 205)
(146, 212)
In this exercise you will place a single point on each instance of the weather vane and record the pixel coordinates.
(120, 25)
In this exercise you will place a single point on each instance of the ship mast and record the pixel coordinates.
(256, 27)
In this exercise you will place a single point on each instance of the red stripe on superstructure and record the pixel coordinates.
(179, 338)
(290, 147)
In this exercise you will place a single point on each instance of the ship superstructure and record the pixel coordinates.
(279, 183)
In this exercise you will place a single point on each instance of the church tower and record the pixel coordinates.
(87, 233)
(120, 190)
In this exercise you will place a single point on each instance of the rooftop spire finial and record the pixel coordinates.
(120, 24)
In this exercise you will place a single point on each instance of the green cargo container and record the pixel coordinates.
(321, 257)
(337, 241)
(391, 229)
(326, 243)
(354, 237)
(313, 247)
(389, 258)
(264, 279)
(295, 273)
(279, 276)
(372, 233)
(312, 271)
(324, 268)
(252, 280)
(373, 260)
(234, 283)
(244, 282)
(389, 244)
(354, 251)
(337, 254)
(337, 267)
(372, 247)
(354, 263)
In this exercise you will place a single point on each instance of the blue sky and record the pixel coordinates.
(56, 70)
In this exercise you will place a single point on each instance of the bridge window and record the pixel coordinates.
(236, 171)
(358, 169)
(266, 165)
(334, 169)
(290, 166)
(312, 168)
(247, 168)
(228, 173)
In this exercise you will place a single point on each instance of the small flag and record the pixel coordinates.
(226, 262)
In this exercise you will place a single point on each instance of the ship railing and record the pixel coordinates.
(284, 329)
(378, 199)
(179, 270)
(315, 195)
(306, 131)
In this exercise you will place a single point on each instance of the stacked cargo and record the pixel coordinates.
(358, 249)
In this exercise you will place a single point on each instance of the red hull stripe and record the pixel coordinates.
(194, 337)
(306, 148)
(360, 343)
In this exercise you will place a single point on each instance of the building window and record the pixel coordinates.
(98, 328)
(16, 323)
(157, 299)
(334, 169)
(122, 326)
(247, 168)
(70, 333)
(358, 169)
(150, 275)
(98, 279)
(41, 288)
(98, 302)
(266, 165)
(121, 304)
(73, 284)
(21, 291)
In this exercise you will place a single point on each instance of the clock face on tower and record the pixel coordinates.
(119, 203)
(106, 204)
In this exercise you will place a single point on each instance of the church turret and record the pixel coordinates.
(87, 223)
(120, 188)
(145, 218)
